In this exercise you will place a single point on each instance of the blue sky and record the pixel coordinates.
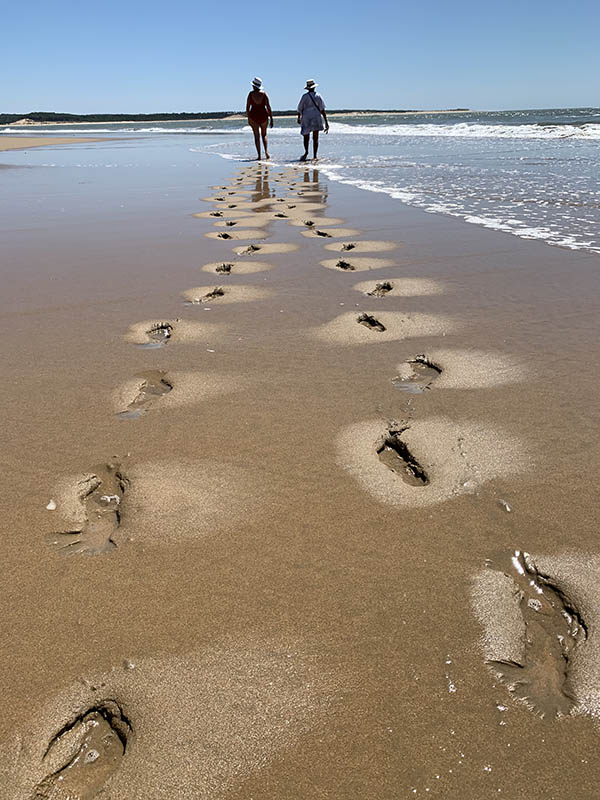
(133, 56)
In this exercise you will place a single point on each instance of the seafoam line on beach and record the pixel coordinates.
(514, 227)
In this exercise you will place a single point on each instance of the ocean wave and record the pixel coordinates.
(586, 131)
(466, 130)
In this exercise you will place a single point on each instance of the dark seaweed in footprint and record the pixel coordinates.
(220, 199)
(282, 216)
(309, 223)
(216, 213)
(323, 233)
(101, 495)
(420, 374)
(370, 322)
(553, 629)
(345, 265)
(158, 335)
(153, 385)
(293, 205)
(232, 205)
(224, 235)
(394, 453)
(224, 269)
(230, 223)
(94, 745)
(381, 289)
(349, 246)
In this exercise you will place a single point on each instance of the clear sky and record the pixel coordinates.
(134, 56)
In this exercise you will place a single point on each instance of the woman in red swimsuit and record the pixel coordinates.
(259, 113)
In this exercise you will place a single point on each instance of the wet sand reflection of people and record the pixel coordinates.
(310, 179)
(263, 188)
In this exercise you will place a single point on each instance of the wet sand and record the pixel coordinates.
(303, 553)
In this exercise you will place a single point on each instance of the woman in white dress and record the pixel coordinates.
(312, 117)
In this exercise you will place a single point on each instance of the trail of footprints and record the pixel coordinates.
(95, 741)
(98, 737)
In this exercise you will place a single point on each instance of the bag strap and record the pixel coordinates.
(315, 103)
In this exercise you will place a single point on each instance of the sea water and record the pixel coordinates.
(533, 173)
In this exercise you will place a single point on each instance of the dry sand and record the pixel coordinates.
(25, 142)
(267, 600)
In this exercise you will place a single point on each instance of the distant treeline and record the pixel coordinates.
(53, 116)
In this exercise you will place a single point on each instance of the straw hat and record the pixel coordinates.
(257, 83)
(310, 84)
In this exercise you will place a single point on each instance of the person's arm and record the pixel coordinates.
(269, 112)
(248, 104)
(300, 107)
(324, 116)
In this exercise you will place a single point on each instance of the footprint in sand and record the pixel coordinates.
(158, 335)
(91, 749)
(370, 327)
(250, 250)
(299, 220)
(351, 264)
(420, 463)
(362, 247)
(381, 289)
(399, 287)
(225, 296)
(329, 233)
(237, 234)
(370, 322)
(153, 385)
(226, 268)
(547, 629)
(417, 375)
(265, 249)
(213, 294)
(100, 498)
(395, 454)
(345, 265)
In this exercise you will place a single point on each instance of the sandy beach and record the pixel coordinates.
(25, 142)
(263, 494)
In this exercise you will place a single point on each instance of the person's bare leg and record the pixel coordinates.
(315, 144)
(256, 133)
(306, 141)
(263, 132)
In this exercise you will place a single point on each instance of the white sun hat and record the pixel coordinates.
(310, 84)
(257, 83)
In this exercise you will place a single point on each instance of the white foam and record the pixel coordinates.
(468, 130)
(512, 226)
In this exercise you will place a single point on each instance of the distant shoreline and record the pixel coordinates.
(27, 121)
